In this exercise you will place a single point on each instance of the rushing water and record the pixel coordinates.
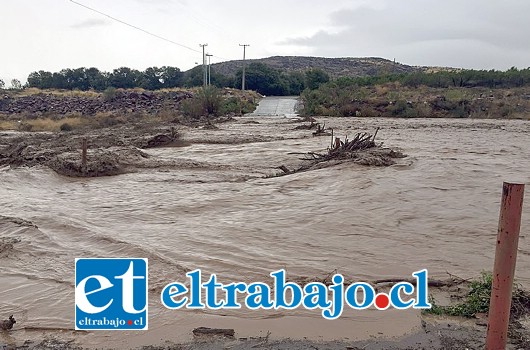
(437, 209)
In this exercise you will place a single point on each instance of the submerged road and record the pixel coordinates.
(277, 106)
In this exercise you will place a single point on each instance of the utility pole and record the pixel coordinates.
(243, 76)
(204, 77)
(209, 71)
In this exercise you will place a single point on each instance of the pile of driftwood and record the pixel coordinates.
(362, 149)
(344, 149)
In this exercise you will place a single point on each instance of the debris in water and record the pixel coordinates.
(204, 331)
(362, 149)
(321, 130)
(308, 127)
(8, 324)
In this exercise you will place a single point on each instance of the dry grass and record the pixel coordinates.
(8, 125)
(45, 124)
(21, 122)
(55, 125)
(457, 94)
(382, 90)
(136, 89)
(65, 93)
(176, 89)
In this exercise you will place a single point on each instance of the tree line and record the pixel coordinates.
(84, 79)
(262, 78)
(15, 84)
(258, 76)
(510, 78)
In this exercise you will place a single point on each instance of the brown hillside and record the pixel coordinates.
(335, 67)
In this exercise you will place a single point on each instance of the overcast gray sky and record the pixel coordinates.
(55, 34)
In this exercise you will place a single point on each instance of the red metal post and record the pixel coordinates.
(504, 266)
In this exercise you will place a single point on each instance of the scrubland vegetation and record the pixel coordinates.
(396, 100)
(33, 109)
(451, 93)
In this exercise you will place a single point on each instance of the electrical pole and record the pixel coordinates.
(204, 77)
(209, 71)
(243, 76)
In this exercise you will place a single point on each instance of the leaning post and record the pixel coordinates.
(504, 266)
(84, 146)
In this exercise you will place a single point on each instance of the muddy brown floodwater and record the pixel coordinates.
(436, 209)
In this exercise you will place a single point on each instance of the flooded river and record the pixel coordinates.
(436, 209)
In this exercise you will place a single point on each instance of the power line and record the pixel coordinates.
(137, 28)
(207, 23)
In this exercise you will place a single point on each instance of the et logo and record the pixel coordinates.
(111, 294)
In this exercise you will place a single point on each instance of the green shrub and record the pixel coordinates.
(65, 127)
(368, 111)
(456, 94)
(461, 111)
(206, 102)
(231, 105)
(236, 105)
(109, 94)
(476, 301)
(411, 112)
(399, 108)
(505, 111)
(210, 98)
(248, 106)
(192, 108)
(348, 110)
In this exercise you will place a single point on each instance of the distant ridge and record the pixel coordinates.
(335, 67)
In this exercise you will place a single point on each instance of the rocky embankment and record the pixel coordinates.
(86, 104)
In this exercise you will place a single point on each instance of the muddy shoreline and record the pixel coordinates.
(121, 149)
(110, 151)
(436, 334)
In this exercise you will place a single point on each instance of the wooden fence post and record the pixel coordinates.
(84, 146)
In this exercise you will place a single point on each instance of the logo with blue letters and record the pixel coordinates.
(111, 294)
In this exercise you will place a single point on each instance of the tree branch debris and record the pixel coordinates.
(362, 149)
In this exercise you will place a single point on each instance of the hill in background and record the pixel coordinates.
(335, 67)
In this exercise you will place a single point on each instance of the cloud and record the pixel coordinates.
(90, 23)
(419, 28)
(158, 2)
(161, 6)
